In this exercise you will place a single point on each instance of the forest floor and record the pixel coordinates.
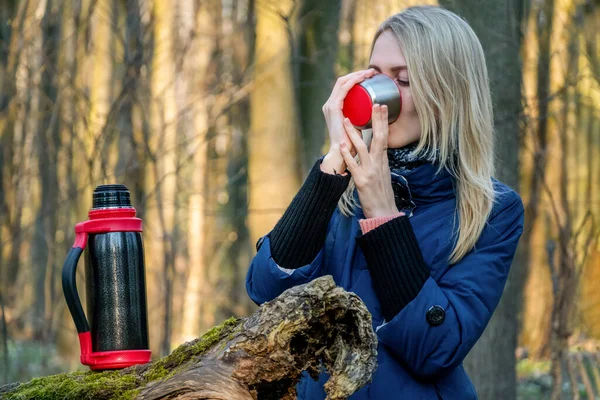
(535, 382)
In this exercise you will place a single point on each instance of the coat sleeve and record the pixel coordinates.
(266, 280)
(292, 253)
(465, 296)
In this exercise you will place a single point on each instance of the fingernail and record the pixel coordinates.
(343, 145)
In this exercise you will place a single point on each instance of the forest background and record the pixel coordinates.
(209, 111)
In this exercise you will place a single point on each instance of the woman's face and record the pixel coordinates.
(387, 58)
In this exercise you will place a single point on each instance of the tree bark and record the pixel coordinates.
(273, 166)
(9, 56)
(537, 324)
(318, 46)
(164, 165)
(237, 58)
(498, 30)
(260, 357)
(198, 63)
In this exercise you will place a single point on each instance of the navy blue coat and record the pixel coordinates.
(416, 359)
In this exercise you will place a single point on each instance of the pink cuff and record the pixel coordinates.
(369, 224)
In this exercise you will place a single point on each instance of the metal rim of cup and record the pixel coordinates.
(373, 96)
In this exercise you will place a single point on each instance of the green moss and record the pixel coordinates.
(207, 340)
(116, 384)
(79, 385)
(156, 373)
(128, 395)
(166, 366)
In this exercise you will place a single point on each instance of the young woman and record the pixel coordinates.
(421, 232)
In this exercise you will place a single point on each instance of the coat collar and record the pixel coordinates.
(426, 184)
(420, 186)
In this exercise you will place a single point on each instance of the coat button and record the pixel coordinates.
(259, 243)
(436, 315)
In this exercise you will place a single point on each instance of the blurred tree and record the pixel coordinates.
(491, 363)
(236, 63)
(71, 173)
(184, 38)
(318, 23)
(163, 165)
(130, 121)
(536, 320)
(198, 68)
(273, 173)
(43, 258)
(12, 19)
(347, 37)
(590, 296)
(21, 89)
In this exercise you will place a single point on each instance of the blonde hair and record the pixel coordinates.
(450, 89)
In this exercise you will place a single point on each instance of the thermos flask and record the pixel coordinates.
(117, 333)
(380, 89)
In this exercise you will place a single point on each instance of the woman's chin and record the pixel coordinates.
(397, 142)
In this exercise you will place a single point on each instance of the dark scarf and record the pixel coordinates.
(401, 161)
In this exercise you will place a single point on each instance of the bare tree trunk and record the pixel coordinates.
(579, 359)
(497, 379)
(73, 21)
(346, 36)
(10, 207)
(236, 60)
(7, 13)
(132, 160)
(307, 327)
(564, 278)
(24, 166)
(48, 146)
(318, 24)
(199, 71)
(164, 166)
(273, 166)
(566, 271)
(536, 321)
(5, 353)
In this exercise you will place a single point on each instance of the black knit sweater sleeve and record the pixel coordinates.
(396, 264)
(300, 234)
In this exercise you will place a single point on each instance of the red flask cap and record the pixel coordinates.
(358, 106)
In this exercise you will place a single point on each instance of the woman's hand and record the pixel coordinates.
(334, 118)
(372, 177)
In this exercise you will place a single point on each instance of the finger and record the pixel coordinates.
(385, 162)
(378, 144)
(351, 163)
(385, 130)
(348, 84)
(343, 79)
(339, 93)
(357, 141)
(384, 123)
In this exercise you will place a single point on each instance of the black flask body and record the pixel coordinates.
(116, 291)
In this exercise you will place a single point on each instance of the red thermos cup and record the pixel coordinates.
(380, 89)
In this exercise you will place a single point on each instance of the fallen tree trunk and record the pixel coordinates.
(308, 327)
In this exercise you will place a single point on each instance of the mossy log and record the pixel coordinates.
(309, 327)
